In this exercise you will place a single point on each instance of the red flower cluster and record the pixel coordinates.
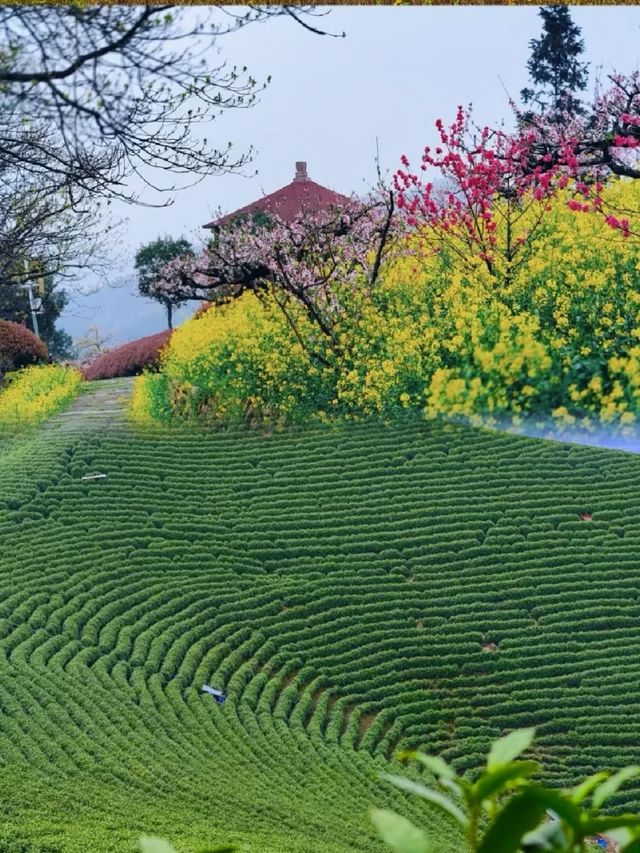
(528, 166)
(476, 169)
(621, 224)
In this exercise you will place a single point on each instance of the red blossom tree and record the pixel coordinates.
(499, 183)
(493, 202)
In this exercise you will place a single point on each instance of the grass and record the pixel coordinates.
(353, 590)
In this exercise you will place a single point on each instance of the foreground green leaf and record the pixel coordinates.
(446, 775)
(522, 814)
(609, 788)
(492, 783)
(509, 747)
(434, 797)
(435, 764)
(605, 823)
(558, 802)
(549, 837)
(399, 833)
(580, 792)
(628, 839)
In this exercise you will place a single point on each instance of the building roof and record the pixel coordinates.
(290, 201)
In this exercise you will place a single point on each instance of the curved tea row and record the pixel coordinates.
(351, 590)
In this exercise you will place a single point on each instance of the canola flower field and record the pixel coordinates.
(35, 393)
(353, 590)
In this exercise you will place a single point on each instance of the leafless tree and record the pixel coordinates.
(92, 96)
(126, 87)
(94, 343)
(40, 219)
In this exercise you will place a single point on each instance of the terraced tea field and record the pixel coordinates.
(351, 590)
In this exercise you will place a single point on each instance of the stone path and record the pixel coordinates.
(102, 405)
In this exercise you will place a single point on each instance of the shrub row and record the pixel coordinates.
(130, 359)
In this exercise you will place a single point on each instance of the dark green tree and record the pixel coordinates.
(14, 306)
(555, 68)
(150, 260)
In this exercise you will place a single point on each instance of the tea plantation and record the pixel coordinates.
(353, 590)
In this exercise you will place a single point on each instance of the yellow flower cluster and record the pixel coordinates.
(550, 327)
(238, 361)
(556, 331)
(149, 405)
(33, 394)
(388, 352)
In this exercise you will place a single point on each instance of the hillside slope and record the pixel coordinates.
(352, 590)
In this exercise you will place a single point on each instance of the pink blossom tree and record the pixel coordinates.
(594, 148)
(320, 264)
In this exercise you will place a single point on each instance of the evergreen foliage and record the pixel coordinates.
(555, 68)
(14, 306)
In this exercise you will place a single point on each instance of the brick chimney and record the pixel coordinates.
(301, 172)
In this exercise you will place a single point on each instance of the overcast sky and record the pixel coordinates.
(398, 70)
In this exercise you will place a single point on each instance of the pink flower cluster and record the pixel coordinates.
(476, 169)
(479, 166)
(317, 259)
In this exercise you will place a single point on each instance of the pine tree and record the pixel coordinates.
(554, 66)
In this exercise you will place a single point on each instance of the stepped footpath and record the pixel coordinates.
(102, 405)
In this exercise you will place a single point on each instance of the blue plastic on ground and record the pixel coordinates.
(218, 695)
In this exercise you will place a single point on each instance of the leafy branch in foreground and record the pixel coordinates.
(503, 811)
(151, 844)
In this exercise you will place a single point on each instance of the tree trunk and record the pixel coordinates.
(169, 315)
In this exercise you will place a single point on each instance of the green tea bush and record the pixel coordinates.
(119, 600)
